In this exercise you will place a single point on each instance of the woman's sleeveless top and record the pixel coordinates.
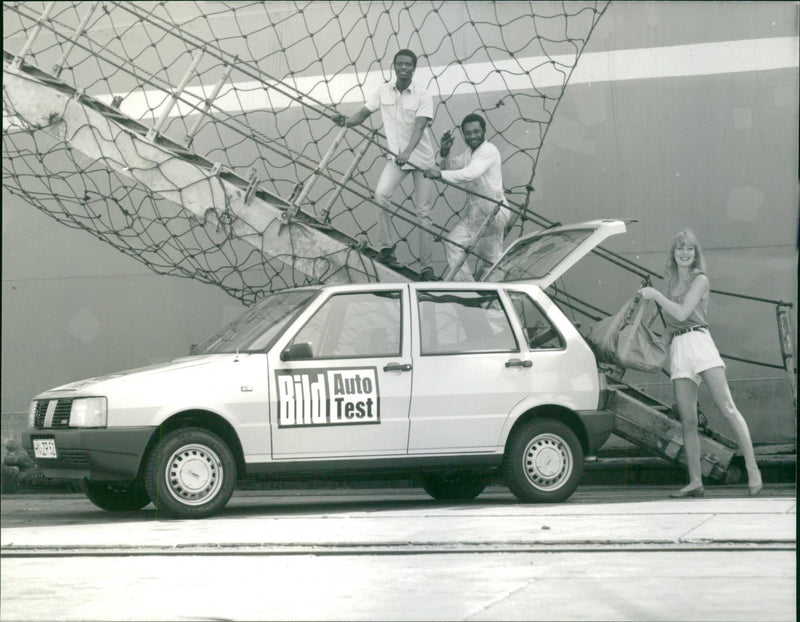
(698, 317)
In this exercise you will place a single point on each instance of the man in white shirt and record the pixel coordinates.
(478, 169)
(406, 110)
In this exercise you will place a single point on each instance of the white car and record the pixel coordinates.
(444, 382)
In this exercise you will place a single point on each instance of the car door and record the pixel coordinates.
(340, 383)
(469, 368)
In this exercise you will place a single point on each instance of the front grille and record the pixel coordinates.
(75, 457)
(60, 413)
(39, 414)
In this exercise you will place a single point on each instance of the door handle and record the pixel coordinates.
(518, 363)
(397, 367)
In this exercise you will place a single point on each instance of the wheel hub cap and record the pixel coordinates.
(194, 474)
(547, 462)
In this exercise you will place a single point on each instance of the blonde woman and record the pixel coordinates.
(694, 357)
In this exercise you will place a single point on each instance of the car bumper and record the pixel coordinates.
(108, 454)
(599, 425)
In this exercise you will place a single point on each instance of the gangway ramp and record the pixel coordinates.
(186, 184)
(643, 420)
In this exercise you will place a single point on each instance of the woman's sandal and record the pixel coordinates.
(697, 491)
(754, 490)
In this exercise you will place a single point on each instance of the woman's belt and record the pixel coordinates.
(683, 331)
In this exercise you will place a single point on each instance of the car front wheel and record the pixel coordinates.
(544, 461)
(191, 473)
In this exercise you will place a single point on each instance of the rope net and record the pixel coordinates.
(189, 135)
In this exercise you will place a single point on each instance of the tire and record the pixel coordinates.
(543, 462)
(115, 496)
(463, 486)
(190, 473)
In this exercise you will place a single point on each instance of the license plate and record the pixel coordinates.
(44, 448)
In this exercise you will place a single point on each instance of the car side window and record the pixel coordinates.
(463, 322)
(539, 330)
(349, 325)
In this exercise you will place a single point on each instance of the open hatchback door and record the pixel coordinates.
(543, 257)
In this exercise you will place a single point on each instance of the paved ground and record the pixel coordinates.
(608, 554)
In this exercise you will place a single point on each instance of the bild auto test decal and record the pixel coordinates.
(311, 397)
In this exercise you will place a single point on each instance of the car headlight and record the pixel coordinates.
(32, 414)
(88, 412)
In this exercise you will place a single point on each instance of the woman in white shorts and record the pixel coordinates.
(694, 357)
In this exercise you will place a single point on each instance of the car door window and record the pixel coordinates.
(463, 322)
(539, 330)
(359, 324)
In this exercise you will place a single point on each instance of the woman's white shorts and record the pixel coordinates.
(693, 353)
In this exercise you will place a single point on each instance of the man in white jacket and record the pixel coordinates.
(482, 224)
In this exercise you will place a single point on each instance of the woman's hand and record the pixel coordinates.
(649, 293)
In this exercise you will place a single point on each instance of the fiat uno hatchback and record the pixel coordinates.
(445, 383)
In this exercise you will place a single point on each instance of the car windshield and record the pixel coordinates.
(259, 326)
(537, 258)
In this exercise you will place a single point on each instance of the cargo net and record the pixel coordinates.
(200, 138)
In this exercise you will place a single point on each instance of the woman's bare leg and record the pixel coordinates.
(686, 398)
(717, 383)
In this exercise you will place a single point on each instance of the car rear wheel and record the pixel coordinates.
(543, 462)
(116, 497)
(191, 473)
(454, 486)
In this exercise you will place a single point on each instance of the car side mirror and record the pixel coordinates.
(297, 352)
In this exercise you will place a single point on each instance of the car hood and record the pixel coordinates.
(543, 257)
(92, 384)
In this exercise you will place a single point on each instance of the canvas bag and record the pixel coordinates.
(627, 338)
